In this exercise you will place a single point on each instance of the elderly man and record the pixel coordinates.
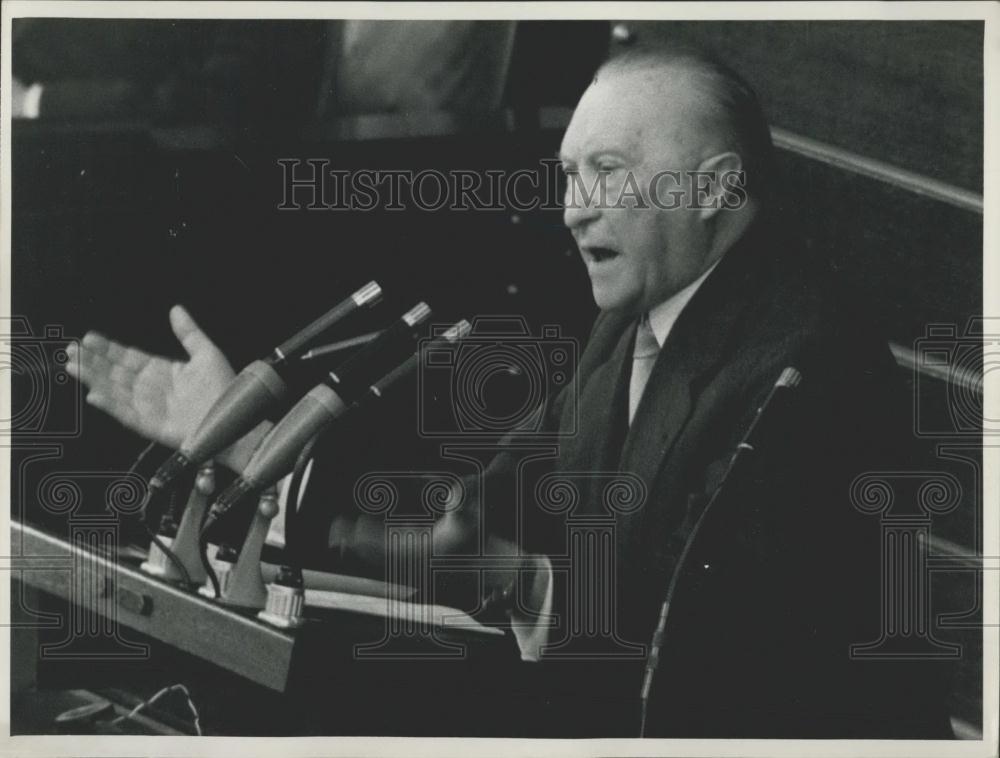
(703, 304)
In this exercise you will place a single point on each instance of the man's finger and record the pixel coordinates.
(73, 360)
(89, 366)
(122, 375)
(111, 404)
(130, 357)
(95, 342)
(187, 331)
(94, 367)
(122, 403)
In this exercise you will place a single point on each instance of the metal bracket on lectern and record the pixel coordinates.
(185, 544)
(245, 587)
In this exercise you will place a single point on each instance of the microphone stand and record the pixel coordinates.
(184, 545)
(242, 583)
(790, 378)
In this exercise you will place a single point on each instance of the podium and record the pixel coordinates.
(310, 680)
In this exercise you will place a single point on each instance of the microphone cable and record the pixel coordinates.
(154, 537)
(207, 564)
(292, 497)
(779, 394)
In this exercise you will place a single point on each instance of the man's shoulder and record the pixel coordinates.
(767, 303)
(798, 299)
(780, 307)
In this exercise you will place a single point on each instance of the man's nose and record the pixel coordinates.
(578, 212)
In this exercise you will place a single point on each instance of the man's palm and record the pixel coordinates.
(160, 399)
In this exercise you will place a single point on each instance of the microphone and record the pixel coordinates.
(320, 407)
(772, 408)
(295, 346)
(335, 347)
(453, 334)
(277, 454)
(256, 391)
(769, 414)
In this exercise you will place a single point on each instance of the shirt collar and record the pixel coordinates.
(663, 316)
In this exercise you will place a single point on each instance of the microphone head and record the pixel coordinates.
(790, 378)
(235, 492)
(353, 377)
(170, 470)
(458, 331)
(370, 294)
(417, 314)
(291, 349)
(452, 334)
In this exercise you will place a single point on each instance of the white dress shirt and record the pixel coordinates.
(663, 316)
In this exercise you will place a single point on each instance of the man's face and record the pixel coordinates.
(628, 129)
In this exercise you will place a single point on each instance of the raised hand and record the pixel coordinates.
(160, 399)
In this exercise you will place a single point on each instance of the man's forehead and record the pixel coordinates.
(601, 129)
(634, 111)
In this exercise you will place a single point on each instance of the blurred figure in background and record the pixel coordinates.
(281, 77)
(254, 79)
(98, 70)
(393, 66)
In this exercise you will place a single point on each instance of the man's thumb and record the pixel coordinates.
(187, 331)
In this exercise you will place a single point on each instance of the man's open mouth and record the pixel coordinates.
(601, 254)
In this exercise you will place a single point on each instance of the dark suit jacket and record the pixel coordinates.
(783, 574)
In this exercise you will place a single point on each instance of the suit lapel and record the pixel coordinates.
(603, 410)
(662, 412)
(694, 349)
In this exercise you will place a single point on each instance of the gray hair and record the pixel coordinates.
(737, 112)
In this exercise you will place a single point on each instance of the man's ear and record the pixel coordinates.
(717, 180)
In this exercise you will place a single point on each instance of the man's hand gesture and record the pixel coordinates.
(160, 399)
